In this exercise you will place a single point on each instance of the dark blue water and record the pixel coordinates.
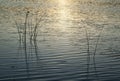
(76, 40)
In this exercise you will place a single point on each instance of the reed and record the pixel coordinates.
(88, 50)
(25, 33)
(25, 42)
(95, 51)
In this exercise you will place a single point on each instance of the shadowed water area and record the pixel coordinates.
(59, 40)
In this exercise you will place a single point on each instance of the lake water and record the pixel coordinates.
(76, 40)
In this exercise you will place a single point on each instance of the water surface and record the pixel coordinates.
(76, 41)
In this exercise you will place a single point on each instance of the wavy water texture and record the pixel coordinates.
(59, 40)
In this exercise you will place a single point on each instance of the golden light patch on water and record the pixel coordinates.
(63, 14)
(62, 2)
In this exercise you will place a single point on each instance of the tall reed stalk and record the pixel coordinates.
(88, 51)
(25, 42)
(95, 50)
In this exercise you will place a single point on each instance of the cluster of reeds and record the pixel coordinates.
(94, 52)
(27, 35)
(28, 31)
